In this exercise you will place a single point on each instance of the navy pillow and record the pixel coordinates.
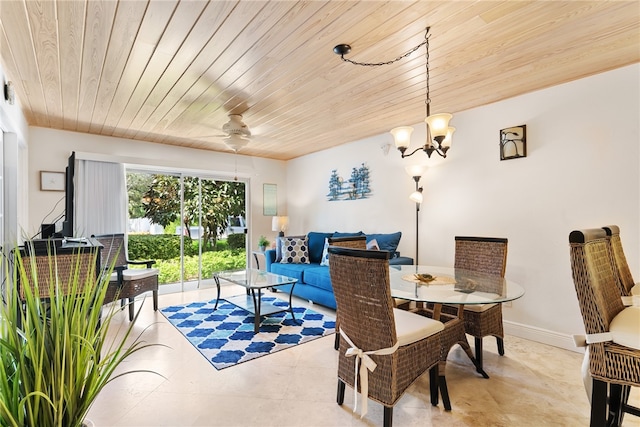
(316, 245)
(338, 234)
(386, 242)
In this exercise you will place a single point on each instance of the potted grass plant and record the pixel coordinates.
(263, 243)
(56, 352)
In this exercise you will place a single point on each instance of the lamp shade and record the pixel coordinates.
(416, 170)
(279, 223)
(402, 136)
(236, 142)
(438, 124)
(416, 196)
(446, 142)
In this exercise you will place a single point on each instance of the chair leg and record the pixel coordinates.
(615, 405)
(433, 385)
(598, 403)
(444, 391)
(155, 300)
(131, 309)
(340, 397)
(478, 345)
(388, 416)
(336, 343)
(500, 343)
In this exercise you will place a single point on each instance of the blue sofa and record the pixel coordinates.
(314, 283)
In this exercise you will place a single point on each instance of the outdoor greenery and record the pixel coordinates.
(165, 250)
(237, 241)
(55, 354)
(208, 201)
(211, 262)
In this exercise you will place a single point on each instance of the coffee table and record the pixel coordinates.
(255, 281)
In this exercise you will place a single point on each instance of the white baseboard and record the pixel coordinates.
(541, 335)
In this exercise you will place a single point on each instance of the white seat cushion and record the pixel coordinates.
(135, 274)
(625, 328)
(478, 307)
(411, 327)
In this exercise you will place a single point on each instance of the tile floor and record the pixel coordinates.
(532, 385)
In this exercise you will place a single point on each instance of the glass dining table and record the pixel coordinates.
(451, 286)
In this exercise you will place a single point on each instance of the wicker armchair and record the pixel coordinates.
(126, 283)
(52, 264)
(613, 332)
(485, 255)
(401, 344)
(625, 279)
(353, 242)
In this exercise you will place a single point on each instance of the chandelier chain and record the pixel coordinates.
(427, 100)
(399, 58)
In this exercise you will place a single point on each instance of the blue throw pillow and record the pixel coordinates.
(325, 253)
(316, 245)
(386, 242)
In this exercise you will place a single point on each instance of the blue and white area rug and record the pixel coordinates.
(225, 335)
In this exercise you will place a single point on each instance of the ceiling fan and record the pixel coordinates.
(236, 133)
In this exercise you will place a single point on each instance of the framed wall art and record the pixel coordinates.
(270, 200)
(52, 181)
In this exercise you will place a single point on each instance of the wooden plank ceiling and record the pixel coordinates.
(171, 71)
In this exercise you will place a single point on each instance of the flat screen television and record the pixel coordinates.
(67, 224)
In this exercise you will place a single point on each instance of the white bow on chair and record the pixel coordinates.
(367, 364)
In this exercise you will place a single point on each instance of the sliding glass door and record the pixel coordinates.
(188, 224)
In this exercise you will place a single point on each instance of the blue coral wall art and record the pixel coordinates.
(356, 187)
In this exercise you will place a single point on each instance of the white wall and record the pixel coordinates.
(581, 171)
(49, 150)
(13, 171)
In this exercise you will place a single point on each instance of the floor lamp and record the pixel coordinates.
(416, 172)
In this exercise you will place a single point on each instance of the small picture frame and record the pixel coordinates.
(513, 142)
(270, 200)
(52, 181)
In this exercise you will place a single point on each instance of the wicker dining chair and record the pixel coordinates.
(402, 345)
(625, 279)
(613, 331)
(126, 283)
(485, 255)
(353, 242)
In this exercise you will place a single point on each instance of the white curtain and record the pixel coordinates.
(100, 198)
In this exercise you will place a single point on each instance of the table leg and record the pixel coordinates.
(257, 302)
(459, 336)
(293, 316)
(477, 360)
(217, 280)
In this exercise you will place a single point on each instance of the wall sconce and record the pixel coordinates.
(279, 224)
(513, 142)
(9, 93)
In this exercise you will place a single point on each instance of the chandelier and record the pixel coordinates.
(439, 133)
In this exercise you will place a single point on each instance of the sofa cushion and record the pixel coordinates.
(295, 250)
(319, 277)
(290, 270)
(386, 242)
(316, 245)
